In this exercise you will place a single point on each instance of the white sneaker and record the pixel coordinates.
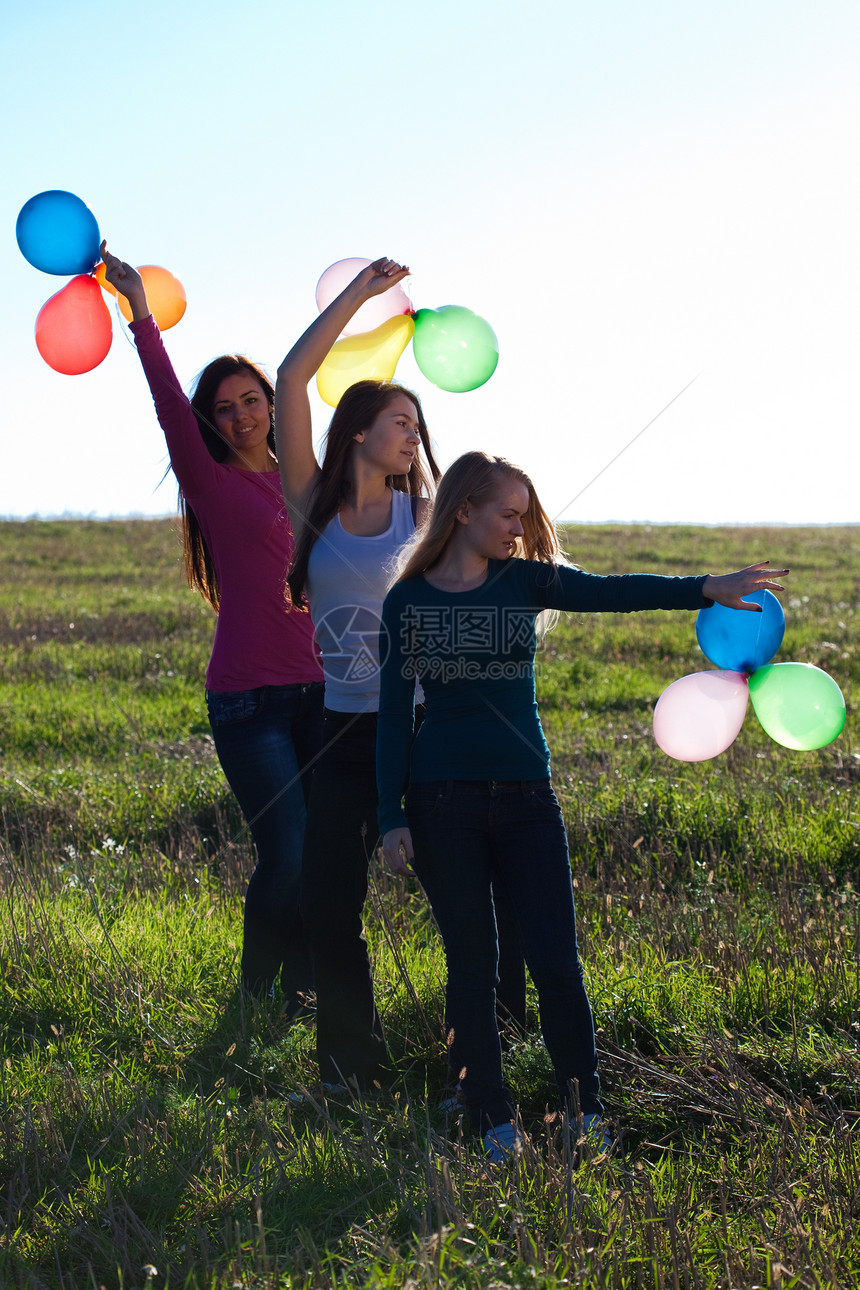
(595, 1132)
(502, 1142)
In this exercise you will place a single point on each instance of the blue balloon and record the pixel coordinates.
(738, 640)
(58, 233)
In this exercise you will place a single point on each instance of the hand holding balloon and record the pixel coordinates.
(59, 234)
(453, 347)
(379, 276)
(310, 350)
(729, 588)
(391, 303)
(127, 281)
(147, 290)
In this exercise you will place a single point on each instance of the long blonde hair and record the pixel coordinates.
(474, 478)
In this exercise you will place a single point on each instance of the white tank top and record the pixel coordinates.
(346, 585)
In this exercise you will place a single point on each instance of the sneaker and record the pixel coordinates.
(454, 1101)
(595, 1133)
(502, 1142)
(304, 1096)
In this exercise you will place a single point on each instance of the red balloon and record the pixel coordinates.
(73, 329)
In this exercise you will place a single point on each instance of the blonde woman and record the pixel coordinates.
(479, 807)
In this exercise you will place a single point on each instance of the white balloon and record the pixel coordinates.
(373, 313)
(700, 715)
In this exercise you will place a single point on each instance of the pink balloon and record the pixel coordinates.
(373, 313)
(701, 715)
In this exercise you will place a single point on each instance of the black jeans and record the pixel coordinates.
(467, 835)
(340, 838)
(265, 740)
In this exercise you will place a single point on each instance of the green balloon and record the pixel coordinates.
(799, 705)
(454, 348)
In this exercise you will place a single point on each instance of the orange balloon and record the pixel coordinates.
(73, 328)
(164, 293)
(102, 280)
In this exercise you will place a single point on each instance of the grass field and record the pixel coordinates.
(146, 1135)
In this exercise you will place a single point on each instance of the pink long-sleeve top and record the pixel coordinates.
(258, 640)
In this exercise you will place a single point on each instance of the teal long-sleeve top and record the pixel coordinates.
(473, 652)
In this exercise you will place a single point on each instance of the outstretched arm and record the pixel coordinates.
(127, 282)
(729, 588)
(293, 433)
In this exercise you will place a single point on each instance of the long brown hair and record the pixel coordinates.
(357, 410)
(474, 478)
(199, 569)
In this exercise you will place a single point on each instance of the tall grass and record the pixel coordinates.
(147, 1132)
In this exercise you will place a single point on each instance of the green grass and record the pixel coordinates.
(144, 1113)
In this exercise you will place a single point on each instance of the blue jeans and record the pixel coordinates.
(266, 740)
(467, 835)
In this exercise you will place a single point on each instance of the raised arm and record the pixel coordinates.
(127, 282)
(293, 433)
(190, 459)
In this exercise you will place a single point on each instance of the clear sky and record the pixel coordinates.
(633, 194)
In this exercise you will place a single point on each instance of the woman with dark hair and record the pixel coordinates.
(264, 688)
(351, 515)
(479, 804)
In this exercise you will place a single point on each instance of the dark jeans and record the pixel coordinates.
(340, 838)
(467, 835)
(266, 740)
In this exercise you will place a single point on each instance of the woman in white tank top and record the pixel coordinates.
(351, 515)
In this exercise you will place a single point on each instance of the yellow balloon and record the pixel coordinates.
(371, 356)
(165, 295)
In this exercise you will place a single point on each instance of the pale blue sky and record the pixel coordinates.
(633, 194)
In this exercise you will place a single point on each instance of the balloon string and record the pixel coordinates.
(759, 626)
(621, 451)
(123, 323)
